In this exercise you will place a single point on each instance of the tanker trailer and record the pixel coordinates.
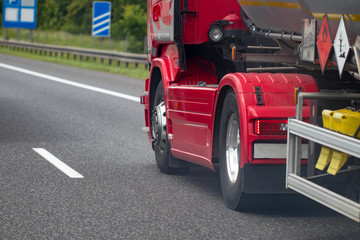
(325, 37)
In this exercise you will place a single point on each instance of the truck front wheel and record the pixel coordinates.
(159, 131)
(230, 155)
(163, 155)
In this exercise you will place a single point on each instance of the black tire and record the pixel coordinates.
(162, 147)
(230, 171)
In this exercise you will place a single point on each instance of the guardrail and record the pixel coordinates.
(79, 53)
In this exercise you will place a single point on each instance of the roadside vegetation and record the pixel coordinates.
(62, 38)
(68, 23)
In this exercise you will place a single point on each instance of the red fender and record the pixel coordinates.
(277, 92)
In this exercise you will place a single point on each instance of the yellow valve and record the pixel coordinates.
(326, 117)
(338, 160)
(347, 122)
(326, 152)
(324, 158)
(343, 121)
(333, 123)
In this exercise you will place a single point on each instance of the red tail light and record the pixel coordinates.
(271, 127)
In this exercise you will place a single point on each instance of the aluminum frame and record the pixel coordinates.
(298, 129)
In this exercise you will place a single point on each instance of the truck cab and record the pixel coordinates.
(208, 101)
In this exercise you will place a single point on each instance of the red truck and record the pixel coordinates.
(208, 101)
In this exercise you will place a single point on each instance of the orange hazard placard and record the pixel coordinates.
(324, 43)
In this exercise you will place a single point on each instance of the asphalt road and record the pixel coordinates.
(121, 194)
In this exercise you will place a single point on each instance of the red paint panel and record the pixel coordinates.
(277, 83)
(190, 111)
(277, 91)
(191, 99)
(195, 28)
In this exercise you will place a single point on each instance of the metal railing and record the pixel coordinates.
(79, 53)
(297, 129)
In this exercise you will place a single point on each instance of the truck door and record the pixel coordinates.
(163, 19)
(164, 27)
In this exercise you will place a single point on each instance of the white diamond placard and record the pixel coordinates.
(357, 52)
(341, 46)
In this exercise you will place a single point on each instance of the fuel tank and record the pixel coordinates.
(286, 15)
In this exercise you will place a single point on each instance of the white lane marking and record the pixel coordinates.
(71, 83)
(57, 163)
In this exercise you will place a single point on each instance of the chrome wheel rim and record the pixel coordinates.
(233, 148)
(158, 126)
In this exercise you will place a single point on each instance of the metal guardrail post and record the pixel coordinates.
(108, 55)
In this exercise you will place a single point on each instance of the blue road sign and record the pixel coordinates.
(19, 14)
(101, 19)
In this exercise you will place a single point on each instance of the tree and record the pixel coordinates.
(79, 13)
(128, 18)
(50, 14)
(133, 22)
(1, 13)
(78, 17)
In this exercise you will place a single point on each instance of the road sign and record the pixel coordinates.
(324, 43)
(19, 14)
(101, 19)
(341, 46)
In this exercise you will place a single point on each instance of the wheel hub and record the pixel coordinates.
(158, 126)
(233, 148)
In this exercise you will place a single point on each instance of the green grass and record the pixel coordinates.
(140, 72)
(74, 40)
